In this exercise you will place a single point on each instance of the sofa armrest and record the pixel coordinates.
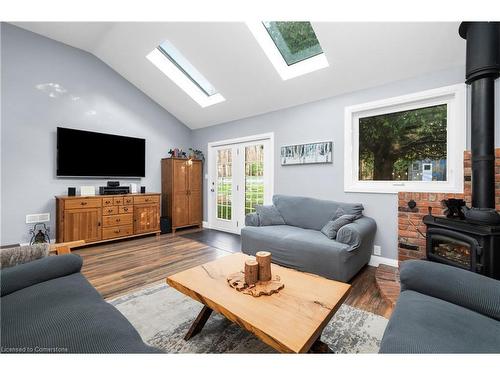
(455, 285)
(252, 220)
(38, 271)
(355, 233)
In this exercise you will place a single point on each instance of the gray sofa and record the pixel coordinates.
(299, 244)
(443, 309)
(48, 306)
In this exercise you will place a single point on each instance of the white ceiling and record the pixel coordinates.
(361, 55)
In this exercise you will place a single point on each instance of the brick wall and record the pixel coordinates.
(411, 229)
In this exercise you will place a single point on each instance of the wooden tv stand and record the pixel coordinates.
(107, 217)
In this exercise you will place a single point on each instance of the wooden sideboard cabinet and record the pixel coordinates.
(106, 217)
(182, 194)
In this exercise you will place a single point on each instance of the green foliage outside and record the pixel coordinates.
(297, 35)
(296, 41)
(390, 143)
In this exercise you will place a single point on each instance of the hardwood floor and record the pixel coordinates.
(120, 267)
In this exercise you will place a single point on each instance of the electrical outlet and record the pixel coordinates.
(377, 250)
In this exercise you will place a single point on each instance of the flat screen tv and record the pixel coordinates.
(88, 154)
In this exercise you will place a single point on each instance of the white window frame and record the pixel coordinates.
(453, 96)
(272, 52)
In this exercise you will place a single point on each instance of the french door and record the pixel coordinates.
(241, 175)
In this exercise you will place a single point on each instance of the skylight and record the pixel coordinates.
(292, 47)
(296, 41)
(175, 66)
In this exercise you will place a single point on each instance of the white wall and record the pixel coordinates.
(324, 120)
(97, 99)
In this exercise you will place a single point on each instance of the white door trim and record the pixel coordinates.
(232, 141)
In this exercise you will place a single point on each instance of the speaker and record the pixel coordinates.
(143, 189)
(71, 191)
(165, 225)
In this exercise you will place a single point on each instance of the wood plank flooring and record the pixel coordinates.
(120, 267)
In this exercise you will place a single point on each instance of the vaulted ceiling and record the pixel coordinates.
(360, 55)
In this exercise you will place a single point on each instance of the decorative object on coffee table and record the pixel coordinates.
(251, 272)
(264, 260)
(261, 288)
(256, 280)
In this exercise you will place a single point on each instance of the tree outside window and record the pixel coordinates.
(404, 146)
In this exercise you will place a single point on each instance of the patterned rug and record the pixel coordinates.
(162, 316)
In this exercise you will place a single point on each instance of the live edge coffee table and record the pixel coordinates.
(290, 321)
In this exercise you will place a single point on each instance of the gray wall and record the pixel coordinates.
(96, 98)
(324, 120)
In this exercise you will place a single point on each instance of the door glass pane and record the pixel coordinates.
(254, 177)
(224, 184)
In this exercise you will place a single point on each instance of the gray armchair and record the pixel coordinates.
(444, 309)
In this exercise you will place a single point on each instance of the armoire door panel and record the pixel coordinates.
(180, 176)
(195, 207)
(195, 176)
(180, 210)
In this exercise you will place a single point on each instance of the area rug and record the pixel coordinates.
(162, 317)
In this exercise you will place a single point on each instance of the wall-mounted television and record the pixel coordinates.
(88, 154)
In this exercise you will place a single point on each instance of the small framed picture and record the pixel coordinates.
(307, 153)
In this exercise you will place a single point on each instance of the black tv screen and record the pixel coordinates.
(88, 154)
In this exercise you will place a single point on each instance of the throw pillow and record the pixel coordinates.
(269, 215)
(332, 227)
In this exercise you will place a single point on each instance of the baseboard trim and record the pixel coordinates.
(375, 260)
(205, 224)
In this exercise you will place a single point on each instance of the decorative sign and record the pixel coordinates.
(308, 153)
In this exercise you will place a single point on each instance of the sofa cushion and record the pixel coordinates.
(331, 228)
(424, 324)
(269, 215)
(66, 315)
(311, 213)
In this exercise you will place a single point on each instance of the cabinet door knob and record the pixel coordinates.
(83, 203)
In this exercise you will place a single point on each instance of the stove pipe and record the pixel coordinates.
(482, 68)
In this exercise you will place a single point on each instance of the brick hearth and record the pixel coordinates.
(411, 229)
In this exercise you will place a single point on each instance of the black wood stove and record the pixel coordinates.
(472, 241)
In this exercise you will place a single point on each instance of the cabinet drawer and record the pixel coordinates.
(107, 202)
(118, 201)
(114, 232)
(128, 200)
(110, 221)
(71, 204)
(147, 199)
(111, 210)
(125, 209)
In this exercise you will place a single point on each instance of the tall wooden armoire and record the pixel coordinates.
(181, 192)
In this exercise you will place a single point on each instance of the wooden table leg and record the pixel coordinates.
(320, 347)
(199, 322)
